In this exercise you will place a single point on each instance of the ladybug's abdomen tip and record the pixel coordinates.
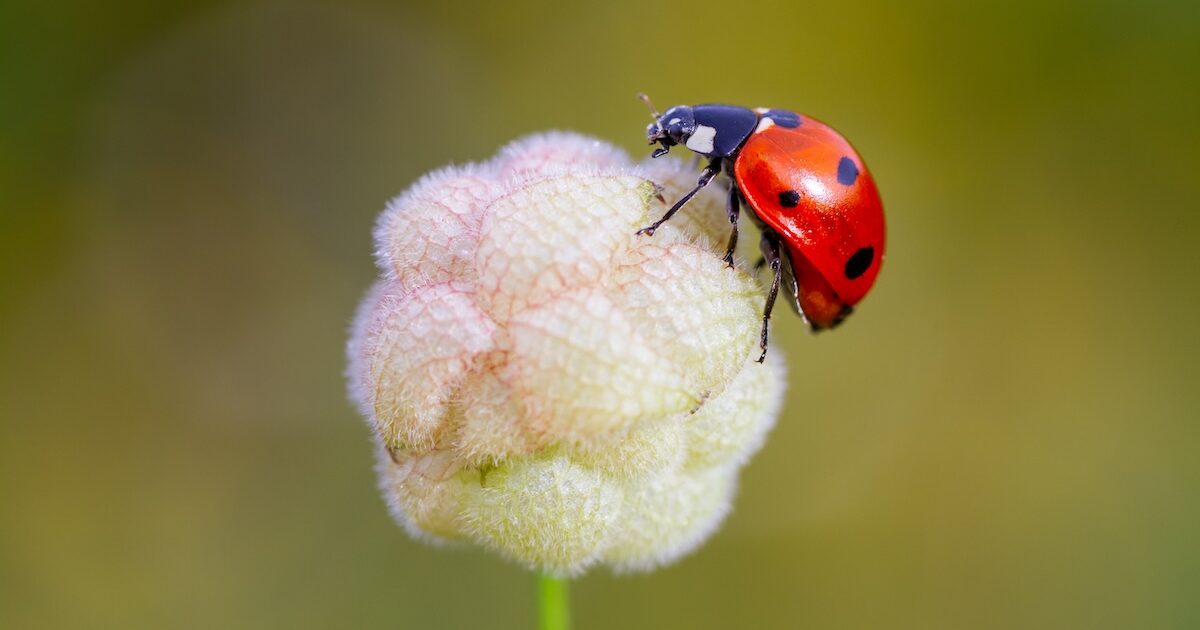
(818, 324)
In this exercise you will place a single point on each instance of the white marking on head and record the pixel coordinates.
(673, 121)
(761, 110)
(764, 124)
(702, 139)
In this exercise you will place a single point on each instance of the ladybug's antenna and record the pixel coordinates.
(646, 99)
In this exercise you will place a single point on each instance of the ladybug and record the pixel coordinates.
(808, 190)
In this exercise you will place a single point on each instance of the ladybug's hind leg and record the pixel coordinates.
(706, 176)
(770, 249)
(732, 208)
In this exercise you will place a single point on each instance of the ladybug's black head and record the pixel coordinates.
(674, 127)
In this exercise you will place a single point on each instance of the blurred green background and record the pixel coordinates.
(1004, 436)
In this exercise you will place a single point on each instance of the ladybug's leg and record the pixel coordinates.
(732, 208)
(770, 249)
(709, 173)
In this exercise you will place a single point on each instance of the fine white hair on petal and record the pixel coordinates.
(490, 427)
(429, 506)
(583, 373)
(666, 516)
(359, 349)
(546, 512)
(424, 343)
(666, 313)
(546, 383)
(647, 448)
(555, 234)
(731, 427)
(557, 152)
(428, 233)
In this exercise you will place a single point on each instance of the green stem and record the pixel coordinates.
(554, 609)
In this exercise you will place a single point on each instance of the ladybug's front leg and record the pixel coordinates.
(732, 208)
(770, 250)
(709, 173)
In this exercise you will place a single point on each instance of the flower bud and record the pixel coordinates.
(544, 382)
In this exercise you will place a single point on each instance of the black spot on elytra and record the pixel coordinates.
(860, 262)
(784, 118)
(847, 171)
(789, 198)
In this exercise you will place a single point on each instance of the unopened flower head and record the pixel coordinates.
(545, 383)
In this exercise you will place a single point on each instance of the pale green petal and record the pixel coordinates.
(548, 513)
(665, 516)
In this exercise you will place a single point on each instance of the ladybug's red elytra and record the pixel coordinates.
(810, 193)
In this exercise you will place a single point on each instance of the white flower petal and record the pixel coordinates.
(429, 234)
(665, 516)
(546, 383)
(689, 304)
(582, 372)
(555, 234)
(420, 345)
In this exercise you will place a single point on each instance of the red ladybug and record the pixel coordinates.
(811, 195)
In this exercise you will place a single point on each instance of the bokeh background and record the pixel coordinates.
(1004, 436)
